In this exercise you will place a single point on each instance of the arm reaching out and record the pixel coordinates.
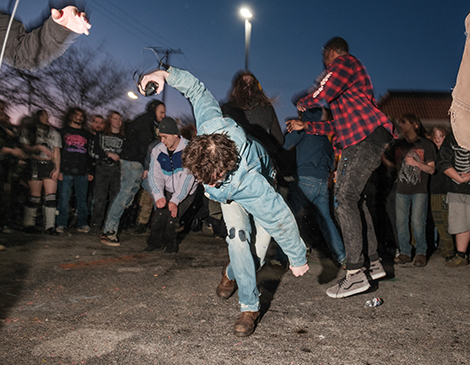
(159, 77)
(39, 47)
(70, 18)
(295, 125)
(299, 271)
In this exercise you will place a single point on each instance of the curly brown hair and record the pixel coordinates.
(209, 156)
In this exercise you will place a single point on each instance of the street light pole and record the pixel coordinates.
(247, 15)
(247, 41)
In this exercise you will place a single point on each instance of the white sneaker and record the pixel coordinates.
(84, 229)
(376, 270)
(352, 283)
(60, 229)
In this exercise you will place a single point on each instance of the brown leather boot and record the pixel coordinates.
(246, 324)
(226, 286)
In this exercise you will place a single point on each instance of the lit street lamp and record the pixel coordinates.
(132, 95)
(247, 15)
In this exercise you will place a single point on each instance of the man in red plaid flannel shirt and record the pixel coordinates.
(361, 131)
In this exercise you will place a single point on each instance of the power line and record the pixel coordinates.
(146, 32)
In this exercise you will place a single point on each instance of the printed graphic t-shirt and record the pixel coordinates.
(75, 159)
(48, 137)
(411, 179)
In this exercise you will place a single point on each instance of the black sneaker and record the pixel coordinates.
(141, 229)
(110, 239)
(31, 230)
(171, 249)
(52, 232)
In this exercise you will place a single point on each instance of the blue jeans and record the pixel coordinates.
(249, 184)
(419, 208)
(131, 177)
(243, 264)
(316, 192)
(357, 164)
(80, 184)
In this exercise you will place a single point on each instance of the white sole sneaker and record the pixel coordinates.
(112, 244)
(349, 285)
(376, 270)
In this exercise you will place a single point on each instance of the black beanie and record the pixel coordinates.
(168, 126)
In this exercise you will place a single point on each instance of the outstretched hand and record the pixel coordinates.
(294, 125)
(71, 18)
(158, 77)
(299, 271)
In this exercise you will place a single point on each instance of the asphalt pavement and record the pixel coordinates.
(71, 300)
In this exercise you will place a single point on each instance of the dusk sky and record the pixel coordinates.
(403, 44)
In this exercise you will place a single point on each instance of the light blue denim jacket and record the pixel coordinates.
(250, 185)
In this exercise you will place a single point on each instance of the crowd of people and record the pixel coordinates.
(241, 159)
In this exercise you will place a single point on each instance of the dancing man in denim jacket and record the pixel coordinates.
(237, 172)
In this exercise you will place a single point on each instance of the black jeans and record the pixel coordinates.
(163, 225)
(357, 164)
(107, 183)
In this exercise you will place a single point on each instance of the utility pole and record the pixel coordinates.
(161, 54)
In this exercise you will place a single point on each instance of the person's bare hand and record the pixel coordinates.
(55, 174)
(145, 174)
(301, 108)
(113, 156)
(46, 151)
(161, 203)
(411, 161)
(300, 270)
(173, 208)
(18, 153)
(465, 177)
(158, 77)
(294, 125)
(71, 18)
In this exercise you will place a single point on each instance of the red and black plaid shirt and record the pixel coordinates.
(347, 88)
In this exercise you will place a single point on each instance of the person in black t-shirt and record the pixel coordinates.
(75, 164)
(414, 158)
(107, 146)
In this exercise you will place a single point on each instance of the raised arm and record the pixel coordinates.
(42, 45)
(209, 118)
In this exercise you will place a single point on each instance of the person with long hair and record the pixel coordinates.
(75, 169)
(106, 149)
(249, 106)
(42, 143)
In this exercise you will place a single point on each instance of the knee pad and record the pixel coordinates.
(33, 202)
(50, 201)
(241, 234)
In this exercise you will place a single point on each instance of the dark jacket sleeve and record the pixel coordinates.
(37, 48)
(445, 158)
(276, 130)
